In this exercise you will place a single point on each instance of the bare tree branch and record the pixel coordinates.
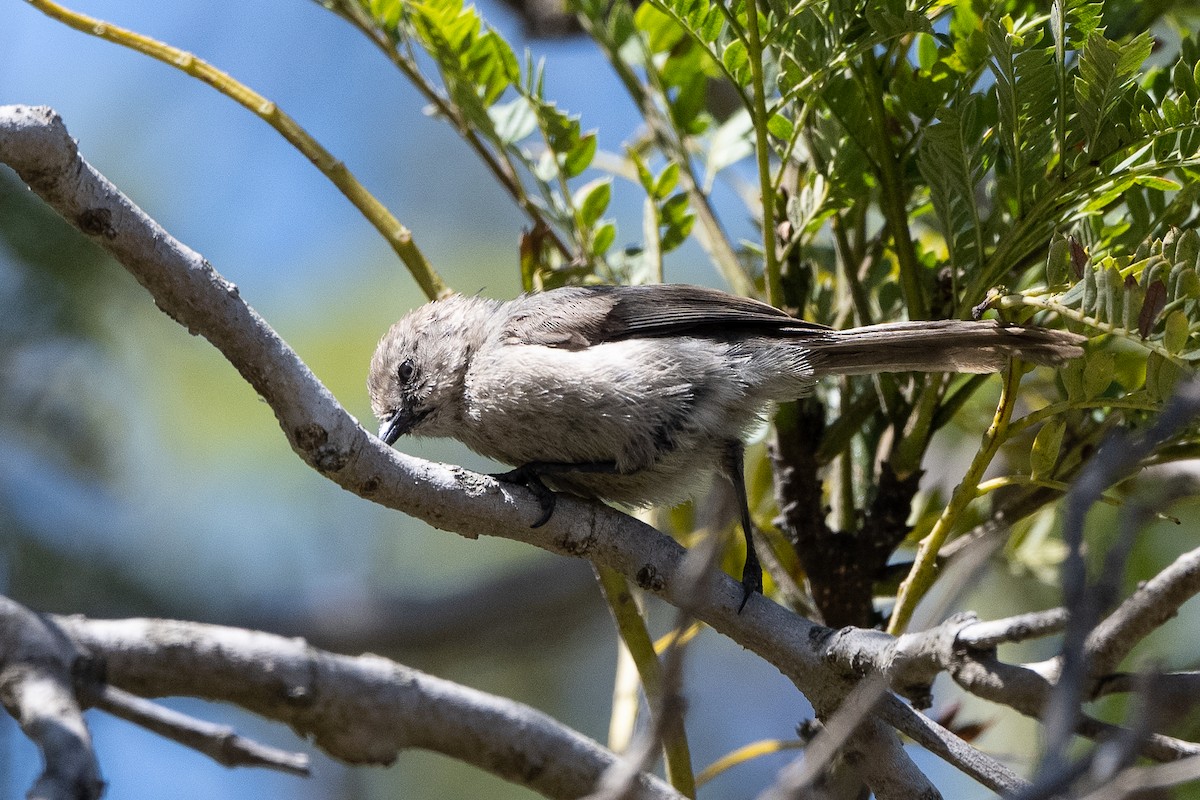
(361, 710)
(219, 742)
(965, 649)
(985, 635)
(808, 774)
(1155, 746)
(37, 665)
(1180, 687)
(1139, 780)
(1152, 604)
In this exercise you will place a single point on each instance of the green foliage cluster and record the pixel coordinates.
(931, 158)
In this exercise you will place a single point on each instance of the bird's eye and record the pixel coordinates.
(405, 371)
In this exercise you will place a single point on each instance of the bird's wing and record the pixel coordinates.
(580, 316)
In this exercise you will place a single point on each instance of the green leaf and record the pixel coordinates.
(1189, 285)
(1161, 377)
(889, 24)
(605, 235)
(645, 177)
(1043, 458)
(953, 159)
(1026, 90)
(592, 201)
(674, 210)
(1058, 262)
(668, 179)
(1098, 373)
(780, 127)
(1074, 21)
(1157, 182)
(1175, 335)
(662, 32)
(712, 26)
(1072, 377)
(927, 51)
(561, 130)
(495, 66)
(966, 34)
(677, 233)
(386, 13)
(1105, 75)
(737, 60)
(580, 156)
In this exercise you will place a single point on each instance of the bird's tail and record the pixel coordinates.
(939, 346)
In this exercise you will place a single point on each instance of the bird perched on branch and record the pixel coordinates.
(638, 394)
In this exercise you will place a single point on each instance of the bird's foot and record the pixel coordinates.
(529, 477)
(752, 582)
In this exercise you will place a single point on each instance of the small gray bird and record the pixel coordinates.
(638, 394)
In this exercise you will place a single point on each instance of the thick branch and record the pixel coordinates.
(362, 710)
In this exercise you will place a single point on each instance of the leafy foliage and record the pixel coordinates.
(926, 158)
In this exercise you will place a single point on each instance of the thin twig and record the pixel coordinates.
(799, 778)
(762, 153)
(1152, 604)
(664, 690)
(1034, 625)
(397, 235)
(219, 742)
(1144, 781)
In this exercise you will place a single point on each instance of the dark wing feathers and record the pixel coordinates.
(579, 316)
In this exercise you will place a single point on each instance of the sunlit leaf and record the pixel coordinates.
(592, 201)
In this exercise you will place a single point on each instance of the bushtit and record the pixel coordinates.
(638, 394)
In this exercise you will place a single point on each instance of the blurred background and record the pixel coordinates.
(139, 476)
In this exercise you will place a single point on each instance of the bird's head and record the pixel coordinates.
(419, 367)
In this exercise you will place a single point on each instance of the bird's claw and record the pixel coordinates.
(752, 583)
(531, 480)
(752, 575)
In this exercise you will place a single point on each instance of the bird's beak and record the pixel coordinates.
(397, 425)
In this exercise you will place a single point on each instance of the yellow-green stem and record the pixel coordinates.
(1054, 409)
(762, 149)
(396, 234)
(921, 576)
(764, 747)
(1044, 483)
(632, 629)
